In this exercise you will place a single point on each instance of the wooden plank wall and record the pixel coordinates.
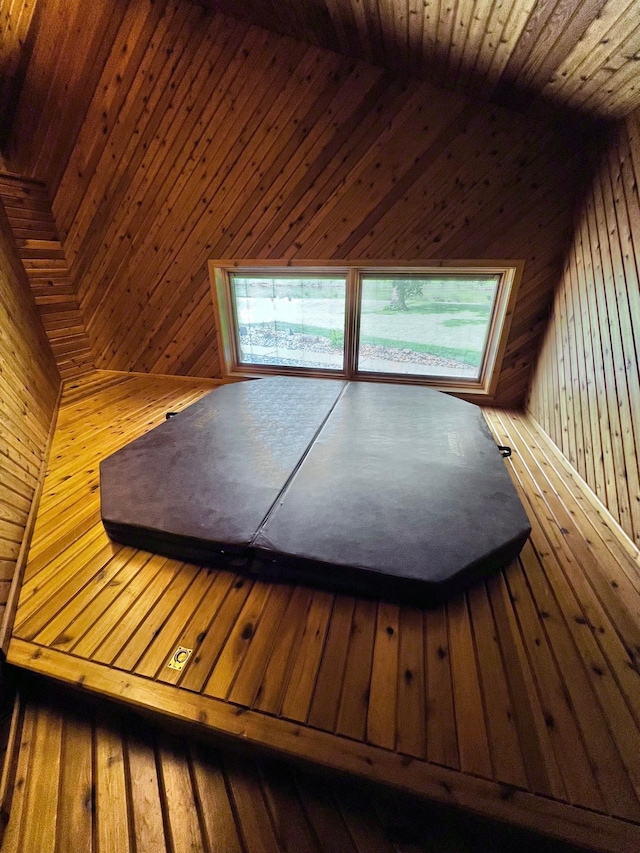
(579, 54)
(28, 210)
(29, 383)
(248, 144)
(586, 389)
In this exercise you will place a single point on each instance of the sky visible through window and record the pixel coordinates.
(410, 324)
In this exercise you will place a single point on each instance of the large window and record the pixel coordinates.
(444, 326)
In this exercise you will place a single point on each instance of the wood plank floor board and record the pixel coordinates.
(219, 820)
(158, 617)
(74, 621)
(613, 626)
(306, 659)
(111, 800)
(326, 698)
(563, 729)
(171, 634)
(146, 789)
(54, 545)
(258, 832)
(286, 812)
(75, 801)
(240, 639)
(501, 731)
(442, 736)
(46, 751)
(181, 807)
(23, 780)
(47, 599)
(118, 640)
(199, 669)
(540, 759)
(354, 699)
(479, 702)
(468, 700)
(275, 677)
(383, 690)
(84, 605)
(118, 610)
(259, 651)
(195, 632)
(319, 808)
(412, 711)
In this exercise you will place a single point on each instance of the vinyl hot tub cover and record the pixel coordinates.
(395, 491)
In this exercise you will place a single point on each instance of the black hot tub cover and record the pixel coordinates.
(389, 490)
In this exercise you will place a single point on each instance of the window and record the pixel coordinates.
(289, 320)
(444, 326)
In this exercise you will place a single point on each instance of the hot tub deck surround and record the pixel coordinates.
(518, 698)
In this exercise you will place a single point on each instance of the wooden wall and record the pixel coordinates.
(174, 135)
(36, 237)
(586, 388)
(29, 383)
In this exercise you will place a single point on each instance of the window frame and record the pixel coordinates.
(510, 273)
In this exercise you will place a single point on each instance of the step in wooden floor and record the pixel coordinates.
(97, 780)
(519, 699)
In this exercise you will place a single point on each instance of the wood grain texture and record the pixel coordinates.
(250, 144)
(29, 214)
(18, 25)
(29, 383)
(585, 391)
(177, 794)
(504, 682)
(577, 55)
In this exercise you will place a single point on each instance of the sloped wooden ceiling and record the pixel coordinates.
(18, 26)
(167, 135)
(577, 54)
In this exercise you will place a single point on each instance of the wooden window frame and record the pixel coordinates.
(510, 273)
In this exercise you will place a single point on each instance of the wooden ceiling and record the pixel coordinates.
(18, 26)
(581, 55)
(251, 144)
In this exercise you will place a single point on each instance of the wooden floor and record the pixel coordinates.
(88, 780)
(519, 699)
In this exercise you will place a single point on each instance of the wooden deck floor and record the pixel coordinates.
(519, 699)
(94, 780)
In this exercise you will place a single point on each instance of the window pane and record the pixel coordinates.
(292, 321)
(426, 326)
